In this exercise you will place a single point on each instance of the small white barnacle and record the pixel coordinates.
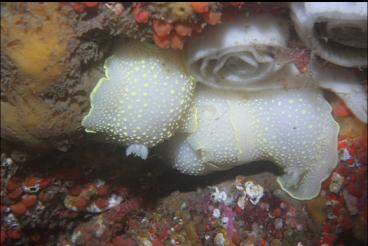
(217, 195)
(253, 192)
(130, 105)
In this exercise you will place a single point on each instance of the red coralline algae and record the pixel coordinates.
(71, 214)
(123, 209)
(163, 35)
(90, 4)
(200, 7)
(326, 228)
(15, 193)
(197, 28)
(12, 185)
(84, 6)
(326, 183)
(328, 239)
(102, 203)
(157, 243)
(163, 235)
(141, 16)
(102, 191)
(238, 210)
(45, 197)
(44, 183)
(183, 30)
(162, 28)
(162, 42)
(29, 200)
(18, 208)
(79, 202)
(79, 8)
(2, 237)
(340, 110)
(165, 38)
(337, 207)
(361, 174)
(75, 190)
(14, 234)
(355, 190)
(345, 224)
(177, 42)
(212, 18)
(277, 212)
(121, 241)
(342, 144)
(31, 181)
(349, 200)
(262, 242)
(343, 171)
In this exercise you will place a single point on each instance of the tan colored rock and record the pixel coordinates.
(37, 38)
(44, 93)
(40, 122)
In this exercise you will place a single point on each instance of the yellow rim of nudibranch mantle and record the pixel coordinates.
(329, 173)
(95, 89)
(106, 77)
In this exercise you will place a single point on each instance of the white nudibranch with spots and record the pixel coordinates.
(292, 128)
(142, 98)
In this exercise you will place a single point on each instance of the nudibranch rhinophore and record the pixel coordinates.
(335, 31)
(292, 128)
(241, 54)
(142, 99)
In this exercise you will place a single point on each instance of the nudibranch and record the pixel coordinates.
(241, 54)
(337, 32)
(142, 98)
(292, 128)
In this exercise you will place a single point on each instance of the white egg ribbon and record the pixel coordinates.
(346, 83)
(335, 31)
(240, 53)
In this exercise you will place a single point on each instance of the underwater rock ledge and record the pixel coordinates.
(250, 117)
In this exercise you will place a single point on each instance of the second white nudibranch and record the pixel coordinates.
(142, 99)
(292, 128)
